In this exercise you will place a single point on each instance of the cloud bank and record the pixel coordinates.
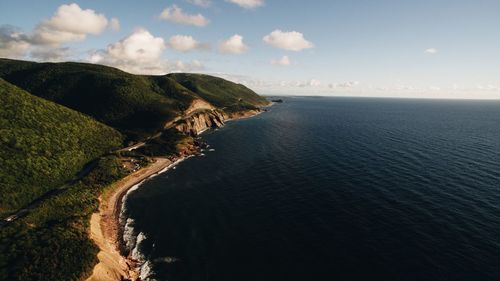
(69, 23)
(141, 53)
(13, 42)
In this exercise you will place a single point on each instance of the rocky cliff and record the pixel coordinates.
(202, 116)
(200, 121)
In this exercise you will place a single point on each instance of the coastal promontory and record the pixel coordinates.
(75, 135)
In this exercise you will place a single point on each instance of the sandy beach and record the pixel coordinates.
(105, 228)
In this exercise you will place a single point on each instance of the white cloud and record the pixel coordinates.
(114, 24)
(140, 46)
(233, 45)
(301, 84)
(183, 43)
(141, 53)
(317, 84)
(431, 51)
(343, 85)
(360, 89)
(197, 64)
(488, 88)
(50, 53)
(292, 41)
(314, 83)
(284, 61)
(13, 42)
(247, 4)
(133, 53)
(181, 66)
(176, 15)
(69, 23)
(201, 3)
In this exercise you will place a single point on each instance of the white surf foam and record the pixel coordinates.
(133, 240)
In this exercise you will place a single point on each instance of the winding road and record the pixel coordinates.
(35, 203)
(194, 108)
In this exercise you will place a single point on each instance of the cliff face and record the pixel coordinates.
(202, 116)
(198, 105)
(136, 105)
(201, 121)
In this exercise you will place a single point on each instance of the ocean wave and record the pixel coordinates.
(131, 238)
(166, 260)
(146, 271)
(129, 235)
(136, 253)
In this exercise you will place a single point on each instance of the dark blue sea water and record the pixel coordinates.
(333, 189)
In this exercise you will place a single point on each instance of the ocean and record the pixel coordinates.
(331, 189)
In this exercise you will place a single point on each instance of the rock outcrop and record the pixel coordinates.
(198, 105)
(200, 121)
(201, 116)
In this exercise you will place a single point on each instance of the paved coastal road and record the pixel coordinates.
(35, 203)
(24, 211)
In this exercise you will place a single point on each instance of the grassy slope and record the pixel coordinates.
(219, 92)
(136, 105)
(130, 103)
(52, 242)
(43, 145)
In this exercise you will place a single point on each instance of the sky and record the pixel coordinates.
(383, 48)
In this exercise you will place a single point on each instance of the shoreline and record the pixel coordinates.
(105, 228)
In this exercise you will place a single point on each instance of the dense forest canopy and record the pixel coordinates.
(136, 105)
(43, 145)
(55, 119)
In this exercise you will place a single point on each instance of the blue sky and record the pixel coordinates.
(440, 48)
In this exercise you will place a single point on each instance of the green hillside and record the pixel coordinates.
(136, 105)
(130, 103)
(52, 242)
(219, 92)
(43, 145)
(57, 117)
